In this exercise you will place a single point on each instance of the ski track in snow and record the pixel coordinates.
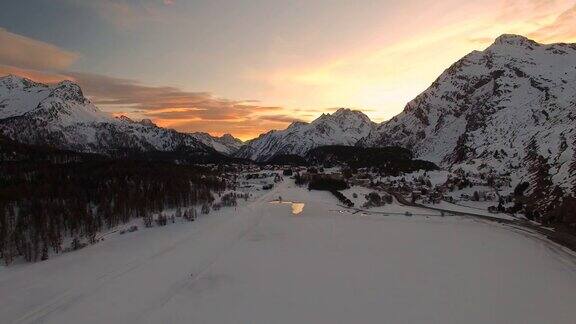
(261, 264)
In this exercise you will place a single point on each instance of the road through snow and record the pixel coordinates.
(259, 263)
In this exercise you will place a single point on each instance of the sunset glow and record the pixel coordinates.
(162, 63)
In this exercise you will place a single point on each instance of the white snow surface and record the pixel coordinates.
(259, 263)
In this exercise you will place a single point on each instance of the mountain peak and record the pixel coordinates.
(12, 81)
(340, 115)
(515, 40)
(125, 118)
(342, 111)
(69, 90)
(296, 123)
(347, 112)
(67, 84)
(10, 78)
(343, 114)
(147, 122)
(229, 137)
(230, 140)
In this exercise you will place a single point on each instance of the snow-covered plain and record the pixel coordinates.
(260, 263)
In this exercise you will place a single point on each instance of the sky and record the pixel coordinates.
(246, 67)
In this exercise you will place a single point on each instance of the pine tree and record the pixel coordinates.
(540, 200)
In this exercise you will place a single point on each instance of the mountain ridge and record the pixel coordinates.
(61, 116)
(343, 127)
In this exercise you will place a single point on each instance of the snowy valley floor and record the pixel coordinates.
(259, 263)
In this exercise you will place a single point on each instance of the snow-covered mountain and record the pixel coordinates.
(343, 127)
(63, 102)
(59, 115)
(509, 108)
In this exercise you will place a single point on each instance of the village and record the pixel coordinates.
(489, 193)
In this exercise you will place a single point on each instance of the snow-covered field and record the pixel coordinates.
(260, 263)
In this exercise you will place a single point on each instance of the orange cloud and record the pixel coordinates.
(562, 29)
(279, 118)
(27, 53)
(245, 129)
(39, 76)
(179, 109)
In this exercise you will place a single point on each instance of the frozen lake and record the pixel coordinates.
(296, 207)
(260, 264)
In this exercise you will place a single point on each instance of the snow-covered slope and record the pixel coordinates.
(59, 115)
(486, 109)
(63, 102)
(344, 127)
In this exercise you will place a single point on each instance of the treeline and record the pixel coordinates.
(539, 198)
(387, 160)
(286, 159)
(45, 203)
(326, 183)
(323, 182)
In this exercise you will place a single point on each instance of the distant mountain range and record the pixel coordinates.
(507, 110)
(60, 116)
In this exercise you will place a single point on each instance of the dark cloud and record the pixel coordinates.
(182, 110)
(165, 102)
